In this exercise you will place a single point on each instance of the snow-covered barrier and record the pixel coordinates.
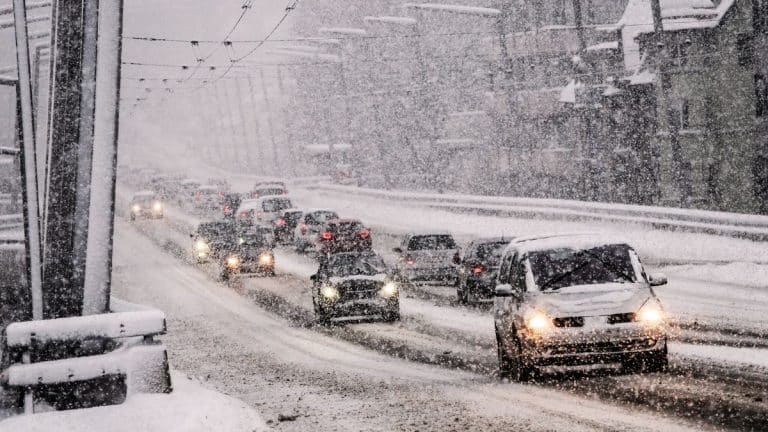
(134, 361)
(11, 221)
(754, 227)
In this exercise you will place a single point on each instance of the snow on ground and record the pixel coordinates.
(191, 407)
(754, 357)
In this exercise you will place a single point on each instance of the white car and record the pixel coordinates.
(262, 211)
(428, 258)
(576, 300)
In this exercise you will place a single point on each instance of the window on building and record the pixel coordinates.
(761, 96)
(746, 49)
(685, 115)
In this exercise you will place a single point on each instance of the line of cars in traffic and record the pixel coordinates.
(558, 300)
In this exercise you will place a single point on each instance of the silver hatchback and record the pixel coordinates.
(576, 300)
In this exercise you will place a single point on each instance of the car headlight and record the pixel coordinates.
(240, 240)
(233, 261)
(388, 290)
(265, 259)
(157, 206)
(538, 321)
(136, 208)
(201, 246)
(650, 313)
(329, 292)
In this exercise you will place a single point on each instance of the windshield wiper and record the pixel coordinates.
(562, 276)
(610, 266)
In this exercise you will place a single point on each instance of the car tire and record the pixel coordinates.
(513, 367)
(392, 315)
(133, 217)
(655, 362)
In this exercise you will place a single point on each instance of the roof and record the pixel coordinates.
(611, 45)
(493, 240)
(563, 241)
(343, 221)
(144, 193)
(317, 210)
(326, 148)
(460, 9)
(676, 15)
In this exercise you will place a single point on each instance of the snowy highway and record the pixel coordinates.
(256, 336)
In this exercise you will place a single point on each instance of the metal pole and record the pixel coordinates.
(275, 158)
(32, 208)
(241, 112)
(98, 271)
(85, 144)
(62, 297)
(259, 148)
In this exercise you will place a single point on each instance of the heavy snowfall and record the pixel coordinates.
(477, 215)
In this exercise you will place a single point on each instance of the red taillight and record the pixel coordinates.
(244, 216)
(303, 228)
(365, 233)
(280, 222)
(227, 210)
(197, 196)
(221, 194)
(478, 269)
(327, 235)
(409, 260)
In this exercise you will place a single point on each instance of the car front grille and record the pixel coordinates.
(569, 322)
(359, 289)
(601, 347)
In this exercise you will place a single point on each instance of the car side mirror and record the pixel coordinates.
(657, 279)
(313, 278)
(192, 235)
(397, 250)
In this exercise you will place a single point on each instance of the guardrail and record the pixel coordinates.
(136, 358)
(753, 227)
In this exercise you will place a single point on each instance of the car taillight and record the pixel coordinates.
(365, 233)
(303, 228)
(280, 222)
(197, 196)
(244, 215)
(478, 269)
(327, 235)
(409, 260)
(227, 210)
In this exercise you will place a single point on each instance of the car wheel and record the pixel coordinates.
(505, 367)
(392, 315)
(513, 367)
(655, 362)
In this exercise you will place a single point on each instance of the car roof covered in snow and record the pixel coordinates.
(144, 194)
(563, 241)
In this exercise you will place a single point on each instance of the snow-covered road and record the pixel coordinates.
(435, 331)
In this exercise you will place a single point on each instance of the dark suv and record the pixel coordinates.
(354, 284)
(478, 268)
(344, 235)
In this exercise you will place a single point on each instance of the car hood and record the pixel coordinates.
(376, 278)
(592, 300)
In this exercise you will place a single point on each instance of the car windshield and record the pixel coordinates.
(275, 205)
(292, 217)
(343, 265)
(144, 199)
(431, 242)
(490, 252)
(346, 227)
(560, 268)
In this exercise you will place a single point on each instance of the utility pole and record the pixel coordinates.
(668, 123)
(241, 111)
(589, 153)
(275, 158)
(259, 147)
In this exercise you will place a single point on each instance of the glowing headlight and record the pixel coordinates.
(388, 290)
(265, 259)
(233, 261)
(538, 321)
(157, 206)
(240, 241)
(329, 292)
(136, 208)
(201, 246)
(650, 313)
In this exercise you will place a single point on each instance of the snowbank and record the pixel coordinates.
(190, 408)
